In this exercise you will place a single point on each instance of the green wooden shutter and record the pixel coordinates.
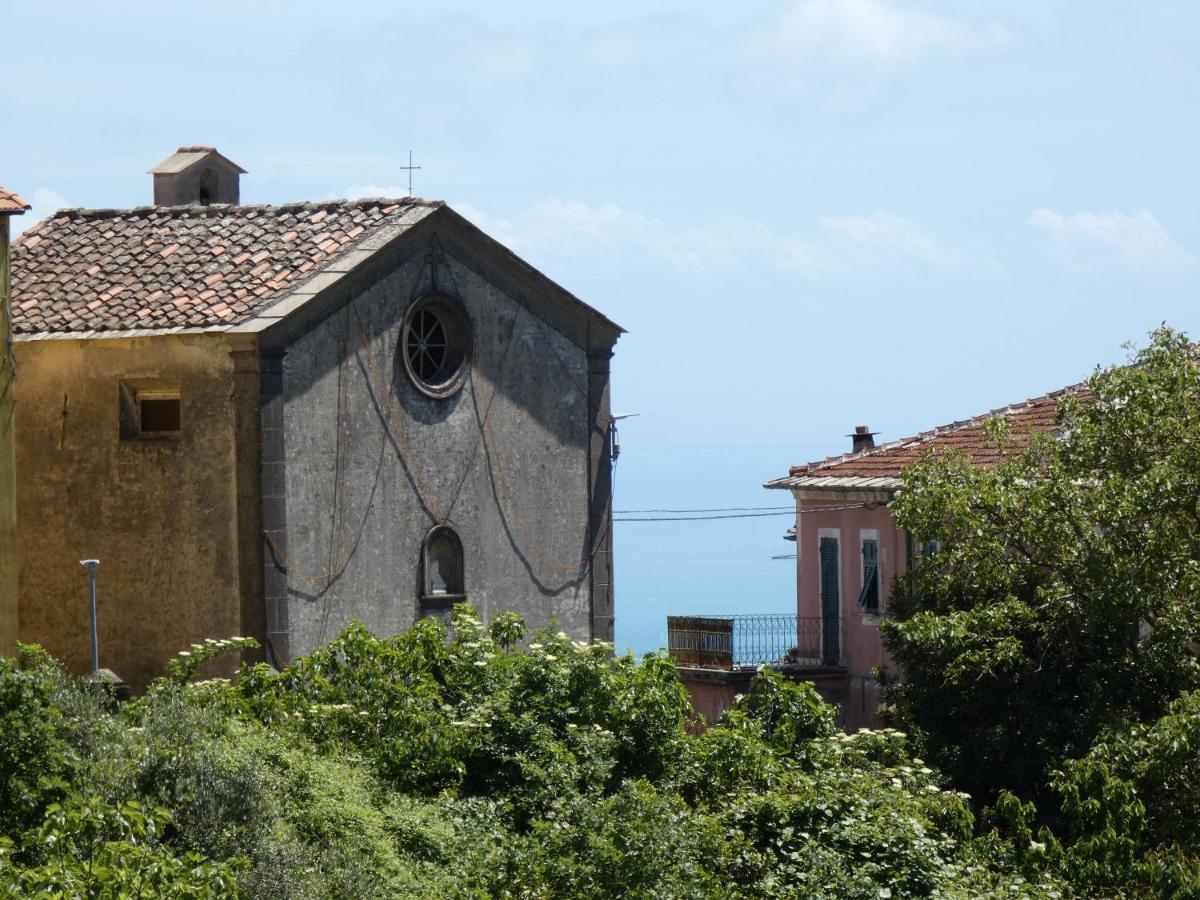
(831, 627)
(869, 598)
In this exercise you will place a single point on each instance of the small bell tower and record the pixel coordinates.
(196, 176)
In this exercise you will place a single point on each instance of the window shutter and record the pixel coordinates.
(831, 628)
(869, 598)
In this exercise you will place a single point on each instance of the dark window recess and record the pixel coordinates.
(869, 598)
(831, 626)
(149, 410)
(208, 186)
(442, 568)
(159, 415)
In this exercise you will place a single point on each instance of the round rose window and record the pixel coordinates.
(435, 343)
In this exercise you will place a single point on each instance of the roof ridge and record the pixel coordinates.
(937, 431)
(212, 210)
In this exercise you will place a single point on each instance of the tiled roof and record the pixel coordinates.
(11, 203)
(189, 156)
(882, 466)
(182, 266)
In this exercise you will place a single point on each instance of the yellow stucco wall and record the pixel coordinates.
(160, 515)
(8, 499)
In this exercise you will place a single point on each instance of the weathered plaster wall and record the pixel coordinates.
(861, 647)
(160, 515)
(8, 498)
(369, 464)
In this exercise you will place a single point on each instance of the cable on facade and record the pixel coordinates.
(376, 379)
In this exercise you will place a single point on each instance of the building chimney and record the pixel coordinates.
(196, 176)
(863, 438)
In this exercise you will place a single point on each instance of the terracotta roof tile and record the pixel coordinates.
(1029, 417)
(188, 266)
(11, 203)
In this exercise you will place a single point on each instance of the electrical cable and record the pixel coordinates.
(807, 509)
(761, 515)
(718, 509)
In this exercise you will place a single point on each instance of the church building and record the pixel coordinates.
(276, 420)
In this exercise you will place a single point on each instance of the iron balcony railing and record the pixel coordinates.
(729, 642)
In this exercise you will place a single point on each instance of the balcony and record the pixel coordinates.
(749, 641)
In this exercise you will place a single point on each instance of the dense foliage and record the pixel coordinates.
(1050, 650)
(473, 766)
(1050, 643)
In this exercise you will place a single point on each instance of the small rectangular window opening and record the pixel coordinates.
(158, 413)
(149, 409)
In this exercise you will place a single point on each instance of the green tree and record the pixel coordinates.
(1063, 601)
(1132, 807)
(439, 764)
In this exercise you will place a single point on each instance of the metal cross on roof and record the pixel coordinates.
(409, 168)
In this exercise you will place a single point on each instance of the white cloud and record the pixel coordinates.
(374, 191)
(883, 234)
(1090, 241)
(877, 34)
(832, 245)
(616, 49)
(43, 202)
(498, 58)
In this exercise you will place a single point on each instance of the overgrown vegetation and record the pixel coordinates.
(1050, 644)
(429, 766)
(1050, 647)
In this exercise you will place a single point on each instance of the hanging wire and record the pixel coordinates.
(334, 567)
(425, 495)
(718, 509)
(758, 515)
(761, 515)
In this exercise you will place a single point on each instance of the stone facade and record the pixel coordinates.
(309, 469)
(359, 464)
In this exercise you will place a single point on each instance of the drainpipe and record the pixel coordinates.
(90, 565)
(799, 563)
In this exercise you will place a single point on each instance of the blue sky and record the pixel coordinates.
(809, 214)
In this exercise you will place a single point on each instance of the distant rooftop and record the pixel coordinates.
(881, 467)
(11, 204)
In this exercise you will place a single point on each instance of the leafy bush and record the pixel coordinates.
(36, 761)
(430, 765)
(90, 849)
(1131, 807)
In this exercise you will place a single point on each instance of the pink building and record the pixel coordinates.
(848, 550)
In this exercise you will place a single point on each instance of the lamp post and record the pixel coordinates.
(90, 565)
